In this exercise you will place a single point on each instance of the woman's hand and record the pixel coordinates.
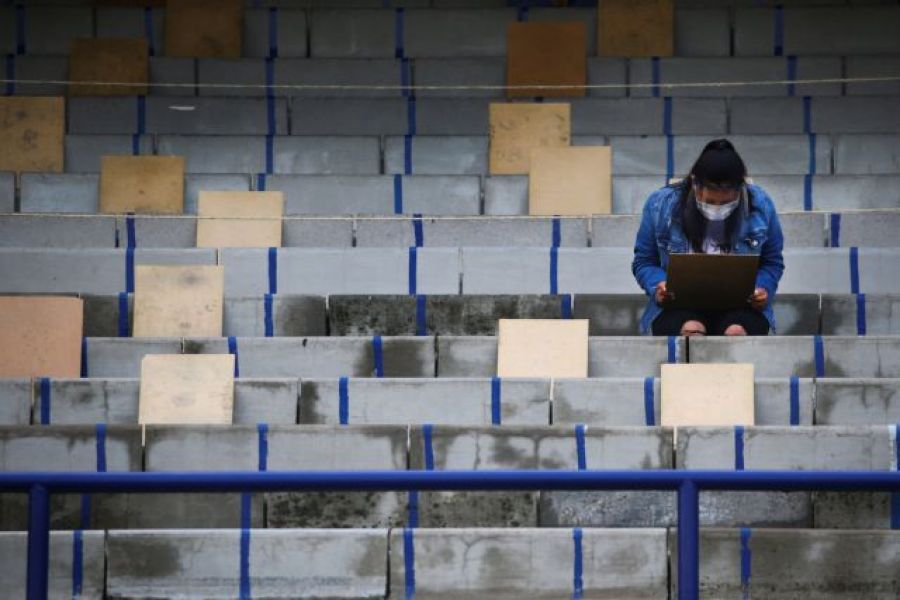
(759, 299)
(662, 295)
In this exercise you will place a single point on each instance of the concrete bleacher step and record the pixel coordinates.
(858, 448)
(782, 564)
(851, 401)
(417, 271)
(76, 566)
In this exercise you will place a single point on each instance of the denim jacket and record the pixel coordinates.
(661, 233)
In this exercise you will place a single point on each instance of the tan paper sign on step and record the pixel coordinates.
(542, 348)
(178, 301)
(707, 395)
(40, 336)
(32, 132)
(252, 219)
(636, 28)
(204, 28)
(193, 389)
(570, 181)
(518, 128)
(142, 184)
(546, 53)
(112, 60)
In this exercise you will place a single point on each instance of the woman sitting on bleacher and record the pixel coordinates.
(714, 211)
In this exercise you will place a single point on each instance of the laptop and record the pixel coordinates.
(711, 281)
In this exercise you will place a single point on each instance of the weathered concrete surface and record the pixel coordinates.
(61, 448)
(13, 564)
(610, 314)
(530, 563)
(282, 564)
(331, 448)
(324, 356)
(121, 357)
(444, 315)
(772, 356)
(419, 401)
(292, 316)
(779, 448)
(840, 314)
(797, 564)
(15, 401)
(857, 401)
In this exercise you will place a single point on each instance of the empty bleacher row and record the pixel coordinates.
(477, 30)
(469, 401)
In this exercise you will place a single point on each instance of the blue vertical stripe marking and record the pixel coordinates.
(268, 315)
(819, 355)
(409, 563)
(778, 36)
(861, 314)
(21, 29)
(148, 30)
(130, 231)
(141, 127)
(421, 315)
(405, 72)
(273, 270)
(554, 270)
(738, 447)
(854, 270)
(427, 440)
(555, 232)
(496, 400)
(398, 194)
(270, 116)
(412, 121)
(273, 32)
(654, 70)
(577, 565)
(791, 75)
(260, 182)
(670, 140)
(407, 155)
(378, 356)
(233, 350)
(673, 349)
(807, 192)
(100, 433)
(836, 230)
(811, 171)
(344, 400)
(77, 563)
(135, 145)
(246, 522)
(129, 269)
(412, 508)
(84, 357)
(649, 402)
(399, 34)
(580, 447)
(795, 401)
(565, 304)
(418, 232)
(45, 400)
(807, 114)
(262, 431)
(746, 561)
(413, 270)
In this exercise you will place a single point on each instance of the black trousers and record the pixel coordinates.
(671, 320)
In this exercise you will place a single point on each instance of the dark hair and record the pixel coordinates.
(719, 164)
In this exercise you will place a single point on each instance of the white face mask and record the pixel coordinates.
(716, 212)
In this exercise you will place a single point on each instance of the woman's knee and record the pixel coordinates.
(692, 328)
(735, 330)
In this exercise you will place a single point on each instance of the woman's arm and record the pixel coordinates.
(646, 265)
(771, 259)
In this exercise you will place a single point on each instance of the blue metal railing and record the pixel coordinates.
(687, 484)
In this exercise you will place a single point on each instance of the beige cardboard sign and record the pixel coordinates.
(518, 128)
(542, 348)
(195, 389)
(697, 395)
(204, 28)
(142, 184)
(570, 181)
(546, 53)
(178, 301)
(252, 219)
(40, 336)
(636, 28)
(112, 60)
(32, 130)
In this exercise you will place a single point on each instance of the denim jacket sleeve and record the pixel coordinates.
(771, 260)
(646, 265)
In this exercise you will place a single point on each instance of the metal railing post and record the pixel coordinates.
(38, 542)
(688, 541)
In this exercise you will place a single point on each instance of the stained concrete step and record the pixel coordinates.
(76, 567)
(857, 401)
